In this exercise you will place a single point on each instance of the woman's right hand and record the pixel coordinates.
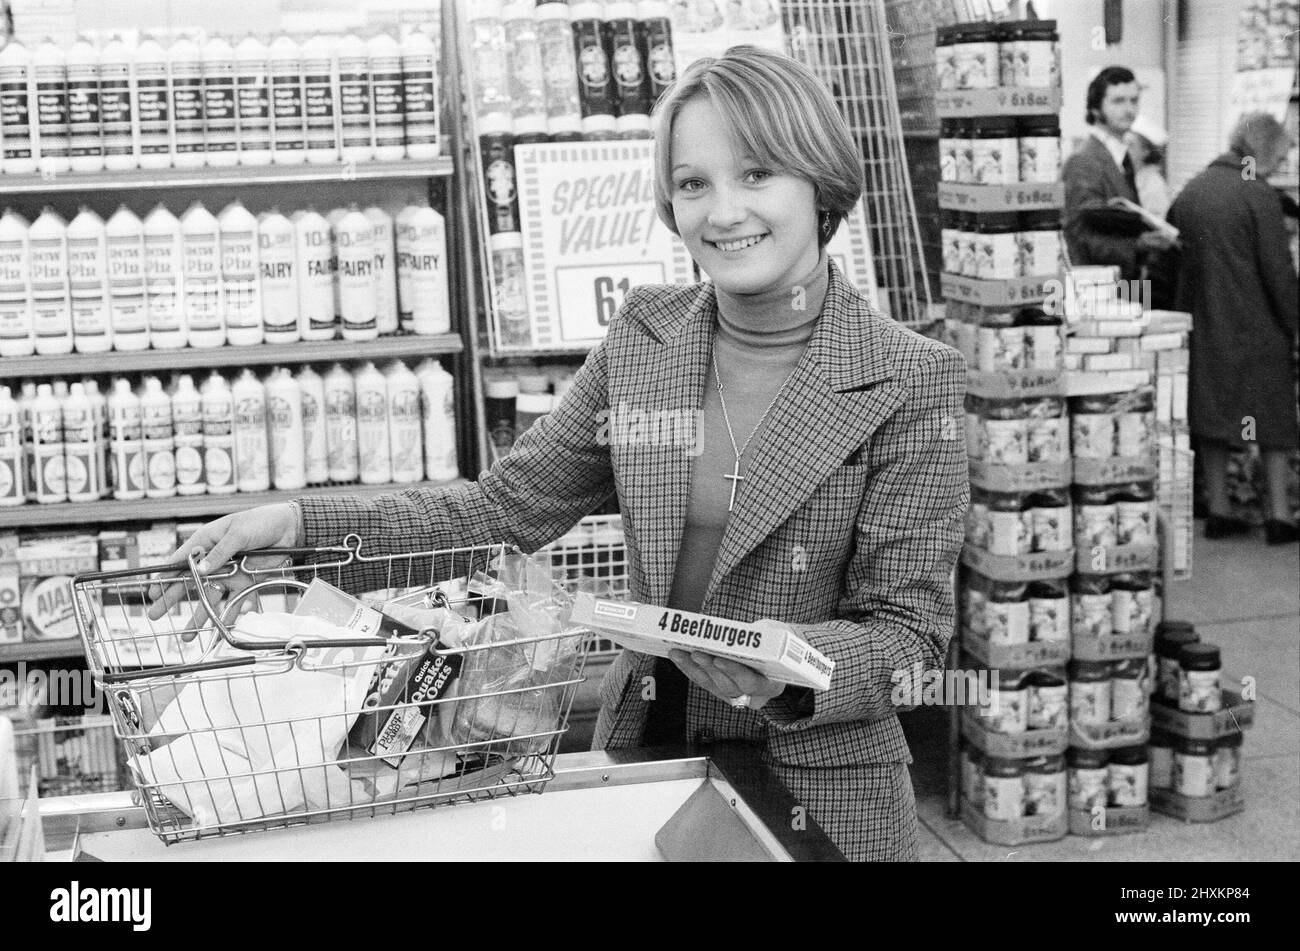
(266, 526)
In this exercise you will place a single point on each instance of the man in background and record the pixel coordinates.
(1102, 169)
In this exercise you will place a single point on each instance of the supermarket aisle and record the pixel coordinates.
(1243, 597)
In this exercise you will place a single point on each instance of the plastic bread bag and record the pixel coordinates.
(515, 665)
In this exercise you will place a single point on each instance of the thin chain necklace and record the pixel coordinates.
(735, 476)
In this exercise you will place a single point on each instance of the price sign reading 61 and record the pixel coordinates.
(590, 296)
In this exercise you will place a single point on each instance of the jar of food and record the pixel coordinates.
(1007, 612)
(998, 256)
(995, 151)
(1029, 54)
(1000, 346)
(1004, 789)
(1039, 244)
(1132, 603)
(977, 518)
(1194, 767)
(1135, 426)
(1128, 693)
(1095, 518)
(1227, 761)
(1127, 777)
(1088, 778)
(1008, 525)
(1160, 753)
(946, 39)
(1092, 426)
(950, 235)
(1040, 149)
(1171, 637)
(1135, 514)
(1049, 610)
(1198, 679)
(1090, 606)
(972, 776)
(964, 143)
(1048, 701)
(1045, 783)
(1008, 706)
(948, 150)
(1005, 428)
(1050, 519)
(974, 604)
(1090, 692)
(1043, 343)
(977, 56)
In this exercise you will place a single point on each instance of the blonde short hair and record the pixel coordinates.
(779, 112)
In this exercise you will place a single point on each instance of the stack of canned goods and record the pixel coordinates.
(1018, 703)
(1188, 670)
(1019, 523)
(1023, 54)
(1195, 768)
(1106, 516)
(1007, 613)
(1113, 605)
(1108, 778)
(1001, 245)
(1109, 691)
(1017, 431)
(1008, 789)
(1113, 425)
(1000, 150)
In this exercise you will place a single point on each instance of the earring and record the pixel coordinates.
(826, 226)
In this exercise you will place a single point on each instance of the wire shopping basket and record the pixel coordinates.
(229, 730)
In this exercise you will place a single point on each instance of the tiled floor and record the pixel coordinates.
(1244, 596)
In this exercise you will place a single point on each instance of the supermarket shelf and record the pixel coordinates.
(68, 514)
(215, 177)
(303, 351)
(40, 650)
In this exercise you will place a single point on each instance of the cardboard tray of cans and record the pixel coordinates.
(1027, 745)
(994, 293)
(1000, 101)
(1113, 820)
(1224, 803)
(1020, 196)
(1029, 477)
(1013, 831)
(1115, 559)
(1113, 647)
(1115, 470)
(1236, 715)
(1035, 566)
(1027, 656)
(1112, 735)
(1014, 384)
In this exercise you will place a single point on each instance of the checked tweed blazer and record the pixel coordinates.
(847, 527)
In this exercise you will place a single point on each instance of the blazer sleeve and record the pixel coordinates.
(558, 472)
(897, 609)
(1273, 256)
(1085, 187)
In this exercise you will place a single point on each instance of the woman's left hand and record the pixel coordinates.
(726, 679)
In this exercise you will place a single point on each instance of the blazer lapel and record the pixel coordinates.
(839, 394)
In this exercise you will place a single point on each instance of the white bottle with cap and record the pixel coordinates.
(420, 82)
(80, 447)
(405, 429)
(151, 92)
(422, 251)
(117, 107)
(372, 425)
(163, 279)
(384, 236)
(315, 280)
(124, 241)
(354, 236)
(315, 449)
(253, 102)
(284, 417)
(99, 408)
(319, 100)
(13, 468)
(217, 58)
(218, 408)
(126, 442)
(85, 137)
(16, 338)
(185, 69)
(341, 424)
(50, 77)
(277, 260)
(241, 286)
(252, 447)
(187, 424)
(387, 97)
(49, 474)
(17, 110)
(288, 125)
(47, 250)
(159, 441)
(356, 111)
(92, 330)
(438, 402)
(201, 263)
